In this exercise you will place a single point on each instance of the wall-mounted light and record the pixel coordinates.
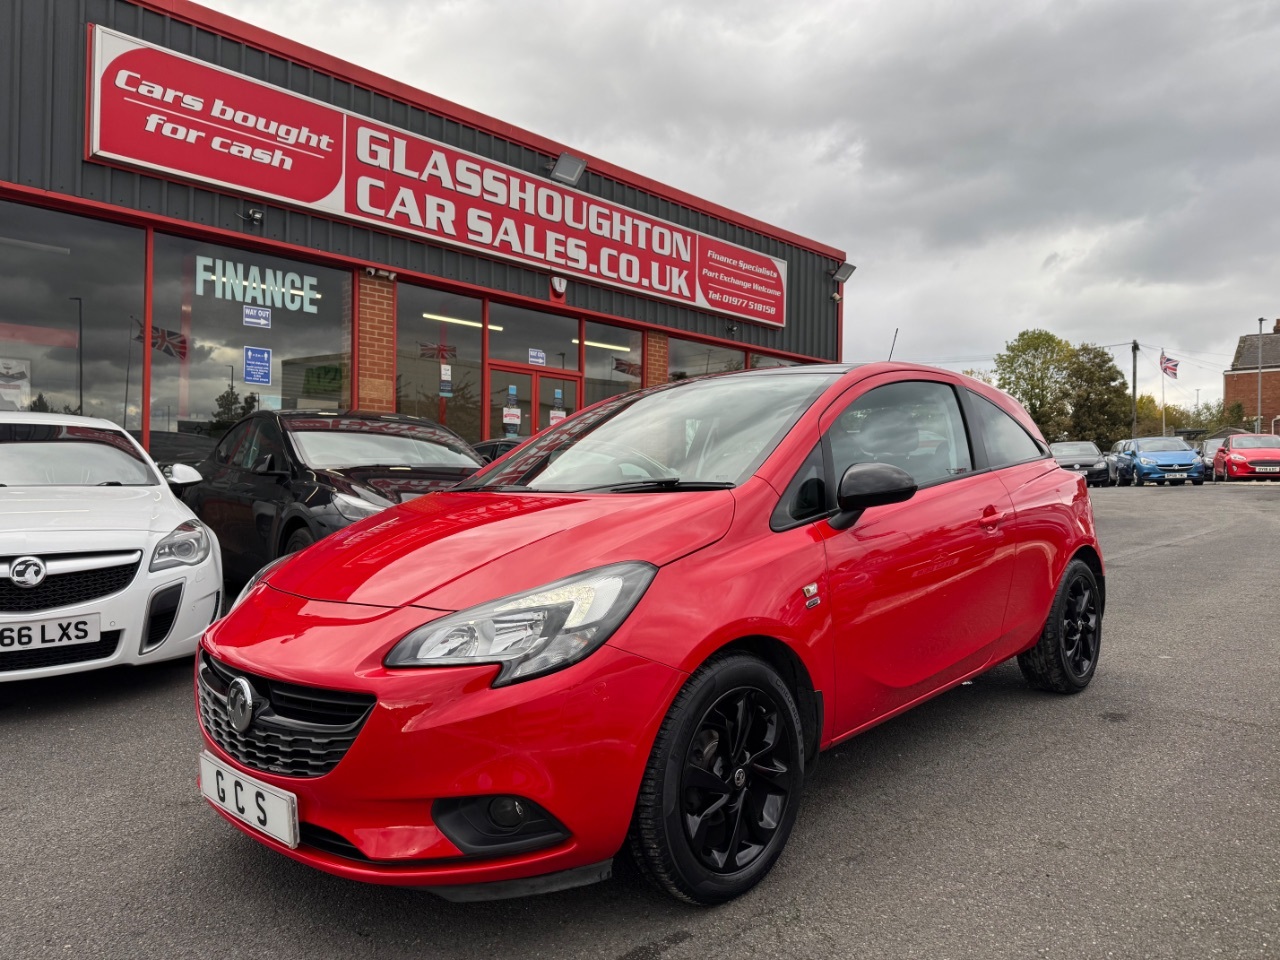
(843, 272)
(252, 215)
(567, 169)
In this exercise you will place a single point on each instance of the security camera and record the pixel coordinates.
(836, 297)
(370, 272)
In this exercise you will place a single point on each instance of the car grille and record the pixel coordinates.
(300, 732)
(1265, 463)
(60, 656)
(66, 589)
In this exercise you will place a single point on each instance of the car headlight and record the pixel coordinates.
(186, 546)
(254, 580)
(356, 508)
(1145, 462)
(531, 633)
(1236, 457)
(1100, 464)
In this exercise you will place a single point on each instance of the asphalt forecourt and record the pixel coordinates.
(1136, 819)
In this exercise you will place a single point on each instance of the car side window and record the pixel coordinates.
(1006, 440)
(915, 425)
(228, 446)
(268, 440)
(806, 496)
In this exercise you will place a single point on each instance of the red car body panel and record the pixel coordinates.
(912, 599)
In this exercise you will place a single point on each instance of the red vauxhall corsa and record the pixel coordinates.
(1248, 456)
(639, 629)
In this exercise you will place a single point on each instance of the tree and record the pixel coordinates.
(230, 408)
(1098, 397)
(1034, 369)
(986, 376)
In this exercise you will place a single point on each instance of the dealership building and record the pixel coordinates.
(197, 216)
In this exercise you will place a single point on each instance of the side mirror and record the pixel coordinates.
(179, 475)
(264, 467)
(870, 485)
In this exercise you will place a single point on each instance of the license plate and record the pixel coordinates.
(43, 634)
(1175, 476)
(1267, 469)
(266, 808)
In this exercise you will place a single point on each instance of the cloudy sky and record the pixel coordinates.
(1106, 170)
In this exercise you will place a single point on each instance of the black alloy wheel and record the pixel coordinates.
(1066, 656)
(723, 783)
(737, 780)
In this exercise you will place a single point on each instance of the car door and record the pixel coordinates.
(213, 500)
(919, 588)
(265, 490)
(1042, 527)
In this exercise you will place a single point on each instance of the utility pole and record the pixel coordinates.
(1134, 433)
(1257, 421)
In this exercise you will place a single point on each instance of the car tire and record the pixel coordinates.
(701, 829)
(300, 539)
(1137, 480)
(1065, 657)
(1197, 483)
(1159, 483)
(1176, 483)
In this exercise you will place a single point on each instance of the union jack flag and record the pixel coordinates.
(1170, 367)
(169, 342)
(436, 351)
(630, 368)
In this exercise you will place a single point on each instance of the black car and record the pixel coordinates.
(280, 480)
(1082, 457)
(491, 450)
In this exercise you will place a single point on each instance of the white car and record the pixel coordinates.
(100, 563)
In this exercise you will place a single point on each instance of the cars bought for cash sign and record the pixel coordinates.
(162, 111)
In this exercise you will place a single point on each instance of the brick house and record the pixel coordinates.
(1240, 383)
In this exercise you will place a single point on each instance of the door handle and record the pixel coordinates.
(990, 519)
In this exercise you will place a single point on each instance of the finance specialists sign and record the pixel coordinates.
(165, 112)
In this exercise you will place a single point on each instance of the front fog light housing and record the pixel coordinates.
(188, 545)
(533, 633)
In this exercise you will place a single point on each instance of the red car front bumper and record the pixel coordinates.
(574, 742)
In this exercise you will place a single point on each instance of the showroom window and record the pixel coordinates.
(761, 362)
(236, 330)
(438, 358)
(688, 359)
(71, 315)
(614, 361)
(531, 337)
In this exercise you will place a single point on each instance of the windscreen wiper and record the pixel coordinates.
(657, 483)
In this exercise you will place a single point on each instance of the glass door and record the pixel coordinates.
(510, 404)
(512, 410)
(557, 398)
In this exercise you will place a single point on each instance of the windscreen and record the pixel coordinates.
(1161, 445)
(709, 432)
(1256, 443)
(1075, 450)
(44, 455)
(333, 445)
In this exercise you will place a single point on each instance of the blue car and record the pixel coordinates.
(1157, 460)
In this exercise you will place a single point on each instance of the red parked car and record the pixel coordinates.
(639, 629)
(1248, 456)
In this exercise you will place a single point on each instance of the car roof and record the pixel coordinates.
(60, 420)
